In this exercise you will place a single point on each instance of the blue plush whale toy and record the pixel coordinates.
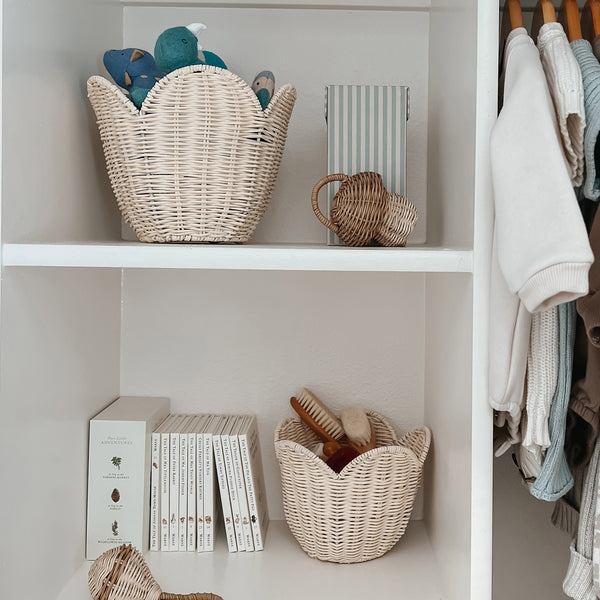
(134, 70)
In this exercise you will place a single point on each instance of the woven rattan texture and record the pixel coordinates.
(360, 513)
(363, 212)
(121, 573)
(399, 220)
(198, 161)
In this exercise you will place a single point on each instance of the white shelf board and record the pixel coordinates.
(294, 4)
(284, 571)
(137, 255)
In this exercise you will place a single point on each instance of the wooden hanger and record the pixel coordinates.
(568, 16)
(511, 19)
(590, 20)
(544, 13)
(511, 15)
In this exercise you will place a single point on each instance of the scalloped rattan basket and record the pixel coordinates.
(360, 513)
(198, 161)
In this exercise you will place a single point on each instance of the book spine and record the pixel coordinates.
(191, 496)
(224, 491)
(233, 493)
(183, 492)
(251, 492)
(200, 492)
(242, 496)
(209, 493)
(164, 491)
(174, 492)
(155, 493)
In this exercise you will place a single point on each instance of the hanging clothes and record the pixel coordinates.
(542, 375)
(579, 580)
(585, 396)
(590, 72)
(554, 479)
(563, 76)
(541, 255)
(564, 80)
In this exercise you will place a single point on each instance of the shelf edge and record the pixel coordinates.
(277, 258)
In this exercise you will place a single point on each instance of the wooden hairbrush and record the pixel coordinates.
(121, 573)
(317, 416)
(359, 430)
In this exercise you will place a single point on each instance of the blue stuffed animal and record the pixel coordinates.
(178, 47)
(134, 70)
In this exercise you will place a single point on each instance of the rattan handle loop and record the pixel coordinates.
(315, 198)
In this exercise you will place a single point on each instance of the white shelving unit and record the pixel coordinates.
(87, 316)
(131, 255)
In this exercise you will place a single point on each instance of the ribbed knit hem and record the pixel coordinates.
(565, 517)
(579, 580)
(547, 493)
(555, 285)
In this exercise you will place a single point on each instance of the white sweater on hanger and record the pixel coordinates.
(541, 254)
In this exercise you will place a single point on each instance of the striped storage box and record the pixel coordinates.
(366, 131)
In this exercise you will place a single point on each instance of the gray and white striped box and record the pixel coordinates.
(366, 131)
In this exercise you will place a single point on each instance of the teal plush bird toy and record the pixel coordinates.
(134, 70)
(178, 47)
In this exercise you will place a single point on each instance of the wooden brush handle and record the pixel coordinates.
(330, 448)
(323, 435)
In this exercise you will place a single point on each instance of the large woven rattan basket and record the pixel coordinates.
(360, 513)
(198, 161)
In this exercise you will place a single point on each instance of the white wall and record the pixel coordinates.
(55, 185)
(60, 366)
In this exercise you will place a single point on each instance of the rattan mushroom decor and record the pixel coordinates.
(121, 573)
(364, 213)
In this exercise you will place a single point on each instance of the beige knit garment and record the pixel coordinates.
(566, 88)
(542, 371)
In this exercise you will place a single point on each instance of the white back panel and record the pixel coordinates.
(448, 413)
(55, 185)
(60, 366)
(451, 124)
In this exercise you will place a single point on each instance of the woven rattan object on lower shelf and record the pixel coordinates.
(360, 513)
(198, 161)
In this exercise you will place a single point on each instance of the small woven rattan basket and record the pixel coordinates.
(198, 161)
(360, 513)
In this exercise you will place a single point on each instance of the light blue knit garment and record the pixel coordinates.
(555, 479)
(590, 72)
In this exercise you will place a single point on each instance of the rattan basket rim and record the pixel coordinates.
(157, 88)
(370, 455)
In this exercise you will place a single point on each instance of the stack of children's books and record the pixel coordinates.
(197, 459)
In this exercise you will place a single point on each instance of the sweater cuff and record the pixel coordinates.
(579, 582)
(555, 285)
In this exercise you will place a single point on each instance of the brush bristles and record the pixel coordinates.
(356, 425)
(320, 413)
